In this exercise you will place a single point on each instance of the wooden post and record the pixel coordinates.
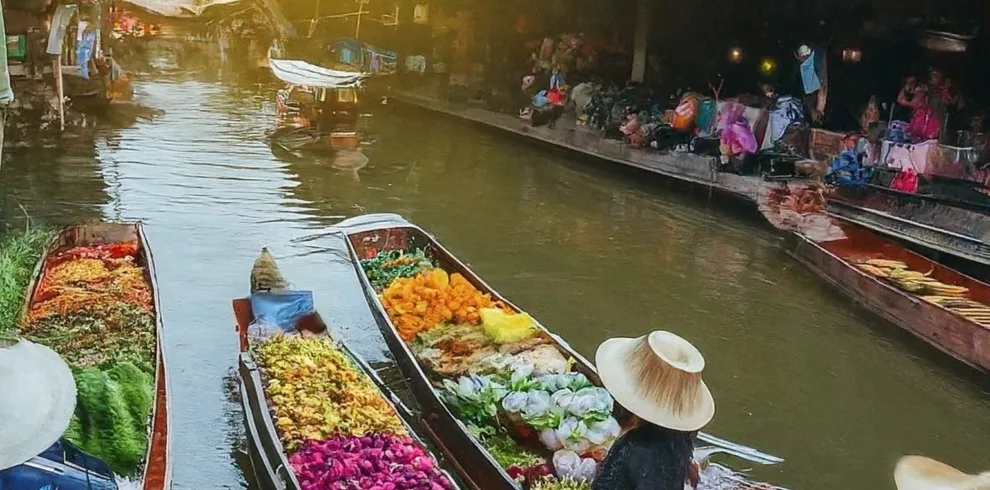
(642, 39)
(312, 23)
(61, 94)
(360, 12)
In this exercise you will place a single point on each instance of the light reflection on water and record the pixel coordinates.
(796, 369)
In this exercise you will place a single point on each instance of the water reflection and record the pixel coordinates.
(796, 368)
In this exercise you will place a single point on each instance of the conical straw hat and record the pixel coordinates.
(37, 398)
(658, 378)
(921, 473)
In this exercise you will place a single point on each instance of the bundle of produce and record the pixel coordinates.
(316, 392)
(431, 298)
(94, 307)
(112, 412)
(551, 483)
(374, 462)
(386, 267)
(900, 275)
(18, 256)
(504, 327)
(453, 350)
(503, 449)
(969, 309)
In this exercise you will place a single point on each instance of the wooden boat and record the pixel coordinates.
(157, 471)
(940, 224)
(945, 329)
(370, 234)
(268, 458)
(321, 101)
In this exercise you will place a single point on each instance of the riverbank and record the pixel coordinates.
(688, 167)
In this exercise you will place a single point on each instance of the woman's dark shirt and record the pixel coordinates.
(646, 458)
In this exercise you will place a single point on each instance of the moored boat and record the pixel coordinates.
(320, 105)
(93, 298)
(455, 362)
(337, 448)
(957, 227)
(939, 305)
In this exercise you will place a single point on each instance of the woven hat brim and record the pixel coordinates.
(611, 362)
(39, 397)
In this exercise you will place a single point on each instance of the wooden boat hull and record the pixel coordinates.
(366, 234)
(157, 473)
(953, 334)
(268, 459)
(932, 223)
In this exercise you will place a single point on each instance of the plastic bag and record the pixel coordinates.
(507, 328)
(282, 308)
(602, 432)
(549, 439)
(571, 433)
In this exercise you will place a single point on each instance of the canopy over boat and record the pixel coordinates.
(178, 8)
(302, 73)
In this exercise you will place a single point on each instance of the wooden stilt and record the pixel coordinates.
(61, 91)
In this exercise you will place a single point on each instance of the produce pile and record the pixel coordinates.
(900, 275)
(498, 372)
(93, 305)
(339, 430)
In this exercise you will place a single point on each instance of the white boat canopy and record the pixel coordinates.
(305, 74)
(178, 8)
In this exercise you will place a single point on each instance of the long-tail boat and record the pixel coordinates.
(156, 471)
(269, 459)
(945, 308)
(369, 235)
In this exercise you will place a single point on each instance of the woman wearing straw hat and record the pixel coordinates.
(921, 473)
(37, 398)
(657, 379)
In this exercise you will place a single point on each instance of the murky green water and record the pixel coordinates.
(797, 370)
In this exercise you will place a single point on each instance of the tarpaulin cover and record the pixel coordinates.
(302, 73)
(281, 308)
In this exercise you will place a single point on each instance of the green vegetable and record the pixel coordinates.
(503, 448)
(112, 412)
(389, 266)
(551, 483)
(18, 256)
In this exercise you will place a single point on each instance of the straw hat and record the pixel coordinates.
(658, 378)
(804, 50)
(37, 401)
(921, 473)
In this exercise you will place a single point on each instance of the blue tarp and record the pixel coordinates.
(282, 309)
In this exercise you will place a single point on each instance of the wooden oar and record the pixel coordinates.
(719, 445)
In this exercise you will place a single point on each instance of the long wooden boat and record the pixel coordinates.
(955, 228)
(157, 471)
(840, 262)
(370, 234)
(269, 460)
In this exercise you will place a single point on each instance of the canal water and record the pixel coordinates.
(797, 370)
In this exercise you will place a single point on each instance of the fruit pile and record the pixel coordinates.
(316, 392)
(899, 274)
(94, 306)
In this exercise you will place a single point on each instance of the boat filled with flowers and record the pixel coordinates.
(317, 416)
(93, 300)
(512, 403)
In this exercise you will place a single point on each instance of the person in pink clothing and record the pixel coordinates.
(924, 124)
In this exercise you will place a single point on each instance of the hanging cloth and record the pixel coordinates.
(421, 14)
(809, 76)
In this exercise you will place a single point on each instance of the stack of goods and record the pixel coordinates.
(498, 372)
(900, 275)
(18, 255)
(94, 306)
(339, 431)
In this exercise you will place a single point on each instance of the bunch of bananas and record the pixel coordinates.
(898, 274)
(971, 310)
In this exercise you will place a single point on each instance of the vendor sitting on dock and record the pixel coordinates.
(657, 379)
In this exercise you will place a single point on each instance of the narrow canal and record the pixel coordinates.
(797, 370)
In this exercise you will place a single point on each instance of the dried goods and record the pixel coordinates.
(316, 392)
(900, 275)
(373, 462)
